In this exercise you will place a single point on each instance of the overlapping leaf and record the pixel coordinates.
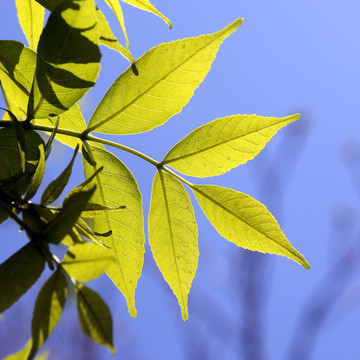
(68, 59)
(116, 186)
(244, 221)
(48, 309)
(31, 19)
(168, 77)
(223, 144)
(173, 235)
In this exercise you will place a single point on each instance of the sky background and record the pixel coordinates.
(287, 57)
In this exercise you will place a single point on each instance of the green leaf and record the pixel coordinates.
(86, 262)
(17, 68)
(50, 4)
(92, 210)
(244, 221)
(223, 144)
(173, 235)
(147, 6)
(116, 8)
(68, 59)
(108, 39)
(48, 309)
(65, 219)
(94, 316)
(31, 19)
(72, 238)
(18, 273)
(116, 186)
(56, 187)
(168, 77)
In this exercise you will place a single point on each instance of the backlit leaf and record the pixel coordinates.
(48, 309)
(116, 187)
(223, 144)
(68, 59)
(31, 19)
(86, 262)
(168, 77)
(147, 6)
(18, 273)
(173, 235)
(94, 316)
(244, 221)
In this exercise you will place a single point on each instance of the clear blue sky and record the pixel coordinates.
(287, 57)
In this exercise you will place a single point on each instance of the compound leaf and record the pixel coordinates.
(48, 309)
(116, 187)
(168, 77)
(173, 235)
(223, 144)
(94, 316)
(244, 221)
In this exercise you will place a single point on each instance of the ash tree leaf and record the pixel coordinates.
(56, 187)
(92, 210)
(244, 221)
(116, 187)
(18, 273)
(49, 305)
(173, 235)
(86, 262)
(94, 316)
(31, 18)
(223, 144)
(147, 6)
(168, 77)
(68, 59)
(108, 39)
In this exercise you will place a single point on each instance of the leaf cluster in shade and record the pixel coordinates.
(101, 220)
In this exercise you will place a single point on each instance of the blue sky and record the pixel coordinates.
(287, 57)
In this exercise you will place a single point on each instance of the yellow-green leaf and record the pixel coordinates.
(116, 8)
(168, 77)
(116, 187)
(223, 144)
(31, 18)
(86, 262)
(147, 6)
(68, 61)
(48, 309)
(94, 316)
(108, 39)
(173, 235)
(244, 221)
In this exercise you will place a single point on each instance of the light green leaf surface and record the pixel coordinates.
(94, 316)
(168, 77)
(68, 60)
(92, 210)
(18, 273)
(116, 187)
(244, 221)
(147, 6)
(116, 8)
(48, 309)
(107, 37)
(38, 175)
(173, 235)
(17, 68)
(31, 18)
(223, 144)
(86, 262)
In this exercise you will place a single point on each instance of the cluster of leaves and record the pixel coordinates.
(42, 89)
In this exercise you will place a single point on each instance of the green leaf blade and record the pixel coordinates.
(116, 187)
(223, 144)
(168, 77)
(173, 235)
(244, 221)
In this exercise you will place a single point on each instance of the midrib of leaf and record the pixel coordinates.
(220, 143)
(245, 222)
(152, 86)
(31, 24)
(171, 236)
